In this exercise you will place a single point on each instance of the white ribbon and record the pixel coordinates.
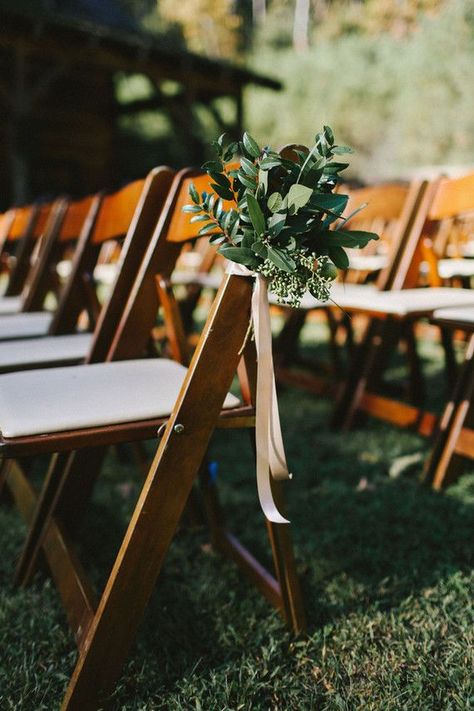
(271, 457)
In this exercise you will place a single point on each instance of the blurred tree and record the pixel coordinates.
(210, 27)
(301, 25)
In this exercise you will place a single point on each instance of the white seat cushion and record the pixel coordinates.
(38, 352)
(449, 268)
(340, 293)
(367, 262)
(205, 279)
(466, 315)
(37, 402)
(10, 304)
(104, 273)
(405, 302)
(25, 325)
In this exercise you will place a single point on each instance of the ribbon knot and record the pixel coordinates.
(271, 459)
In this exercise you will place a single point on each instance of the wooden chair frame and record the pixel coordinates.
(387, 203)
(361, 390)
(25, 228)
(454, 439)
(54, 515)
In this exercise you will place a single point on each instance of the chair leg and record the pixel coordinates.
(66, 491)
(286, 343)
(141, 555)
(358, 374)
(287, 597)
(449, 356)
(443, 465)
(285, 568)
(416, 381)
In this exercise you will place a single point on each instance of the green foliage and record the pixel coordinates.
(282, 221)
(402, 103)
(386, 571)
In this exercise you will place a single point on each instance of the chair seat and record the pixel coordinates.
(60, 399)
(25, 325)
(40, 352)
(10, 304)
(367, 262)
(450, 268)
(457, 318)
(103, 273)
(406, 302)
(339, 294)
(205, 279)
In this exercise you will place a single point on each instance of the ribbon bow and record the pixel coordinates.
(271, 459)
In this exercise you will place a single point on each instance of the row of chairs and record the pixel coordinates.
(115, 396)
(427, 238)
(109, 394)
(417, 217)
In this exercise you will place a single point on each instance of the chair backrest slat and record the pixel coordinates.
(116, 212)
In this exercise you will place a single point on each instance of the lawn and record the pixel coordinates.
(385, 564)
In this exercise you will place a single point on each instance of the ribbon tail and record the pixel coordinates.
(266, 392)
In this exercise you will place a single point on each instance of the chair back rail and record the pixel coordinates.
(383, 215)
(448, 225)
(27, 229)
(109, 218)
(172, 232)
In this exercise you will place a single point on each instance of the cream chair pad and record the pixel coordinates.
(466, 315)
(401, 303)
(367, 262)
(10, 304)
(59, 399)
(206, 280)
(38, 352)
(339, 292)
(450, 268)
(25, 325)
(104, 273)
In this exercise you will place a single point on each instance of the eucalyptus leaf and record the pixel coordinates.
(276, 223)
(261, 249)
(256, 215)
(274, 202)
(210, 227)
(246, 180)
(352, 238)
(225, 193)
(280, 259)
(248, 167)
(241, 255)
(194, 194)
(221, 179)
(251, 145)
(298, 196)
(339, 257)
(269, 163)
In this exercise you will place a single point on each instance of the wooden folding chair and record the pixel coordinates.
(89, 223)
(447, 242)
(127, 212)
(61, 233)
(389, 212)
(119, 401)
(394, 314)
(21, 233)
(454, 437)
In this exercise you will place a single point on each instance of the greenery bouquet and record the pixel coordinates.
(278, 213)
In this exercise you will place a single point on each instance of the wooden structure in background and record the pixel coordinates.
(58, 64)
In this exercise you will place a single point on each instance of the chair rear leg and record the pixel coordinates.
(358, 374)
(443, 466)
(64, 497)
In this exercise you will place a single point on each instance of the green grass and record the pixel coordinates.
(386, 569)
